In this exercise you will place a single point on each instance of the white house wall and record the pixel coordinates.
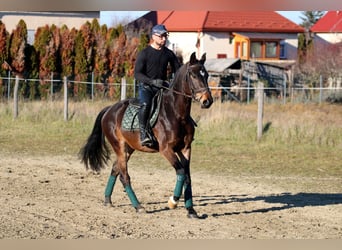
(183, 43)
(330, 37)
(291, 46)
(214, 43)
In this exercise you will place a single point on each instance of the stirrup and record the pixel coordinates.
(147, 142)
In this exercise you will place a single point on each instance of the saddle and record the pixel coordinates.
(130, 120)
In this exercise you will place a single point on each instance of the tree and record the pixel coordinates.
(18, 43)
(4, 39)
(67, 50)
(305, 41)
(101, 51)
(47, 43)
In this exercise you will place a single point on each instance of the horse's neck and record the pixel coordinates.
(178, 103)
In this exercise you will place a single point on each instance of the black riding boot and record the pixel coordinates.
(143, 120)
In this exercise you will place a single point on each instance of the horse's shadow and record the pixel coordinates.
(284, 201)
(281, 201)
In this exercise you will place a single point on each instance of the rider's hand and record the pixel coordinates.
(157, 83)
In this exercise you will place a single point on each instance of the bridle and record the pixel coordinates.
(188, 78)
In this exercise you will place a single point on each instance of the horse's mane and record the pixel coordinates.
(178, 74)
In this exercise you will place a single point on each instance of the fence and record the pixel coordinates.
(122, 86)
(246, 94)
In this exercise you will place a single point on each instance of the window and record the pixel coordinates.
(256, 50)
(271, 49)
(244, 49)
(282, 51)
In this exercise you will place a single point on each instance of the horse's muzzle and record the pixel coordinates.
(206, 100)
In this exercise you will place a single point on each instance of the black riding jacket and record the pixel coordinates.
(152, 64)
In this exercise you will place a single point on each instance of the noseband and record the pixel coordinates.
(187, 78)
(194, 91)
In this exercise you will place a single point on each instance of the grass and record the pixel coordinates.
(301, 140)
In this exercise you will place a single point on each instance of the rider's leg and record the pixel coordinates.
(145, 98)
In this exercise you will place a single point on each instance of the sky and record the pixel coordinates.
(115, 17)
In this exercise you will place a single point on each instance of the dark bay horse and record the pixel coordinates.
(174, 132)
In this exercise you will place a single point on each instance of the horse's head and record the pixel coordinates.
(197, 77)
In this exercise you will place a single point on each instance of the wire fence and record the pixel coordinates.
(53, 90)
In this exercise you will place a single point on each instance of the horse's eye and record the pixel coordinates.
(202, 72)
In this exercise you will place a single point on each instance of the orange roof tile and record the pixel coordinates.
(228, 21)
(261, 21)
(330, 22)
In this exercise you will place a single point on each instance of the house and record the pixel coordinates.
(264, 37)
(328, 29)
(34, 20)
(261, 35)
(328, 38)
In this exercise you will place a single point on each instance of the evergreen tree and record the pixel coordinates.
(4, 39)
(67, 51)
(305, 41)
(101, 52)
(80, 69)
(309, 18)
(17, 45)
(47, 43)
(4, 66)
(32, 67)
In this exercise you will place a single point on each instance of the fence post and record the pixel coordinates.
(248, 88)
(9, 85)
(51, 86)
(320, 89)
(123, 88)
(284, 75)
(92, 86)
(65, 98)
(15, 97)
(260, 109)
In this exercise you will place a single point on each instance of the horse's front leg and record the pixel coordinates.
(184, 157)
(180, 162)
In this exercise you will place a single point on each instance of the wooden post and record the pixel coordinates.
(284, 80)
(92, 86)
(65, 98)
(123, 88)
(260, 109)
(15, 98)
(51, 86)
(320, 89)
(9, 86)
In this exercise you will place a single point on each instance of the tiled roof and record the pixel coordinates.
(330, 22)
(226, 21)
(261, 21)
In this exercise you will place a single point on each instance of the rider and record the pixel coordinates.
(151, 73)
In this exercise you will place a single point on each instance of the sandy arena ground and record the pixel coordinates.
(56, 198)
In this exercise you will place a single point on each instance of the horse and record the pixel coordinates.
(173, 130)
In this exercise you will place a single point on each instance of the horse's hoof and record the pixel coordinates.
(108, 202)
(172, 203)
(140, 210)
(192, 213)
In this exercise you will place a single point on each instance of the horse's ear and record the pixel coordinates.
(203, 58)
(193, 58)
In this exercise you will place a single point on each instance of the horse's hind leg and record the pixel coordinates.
(110, 185)
(123, 154)
(126, 180)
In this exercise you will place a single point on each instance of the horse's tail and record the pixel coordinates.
(95, 153)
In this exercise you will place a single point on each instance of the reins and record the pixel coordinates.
(192, 96)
